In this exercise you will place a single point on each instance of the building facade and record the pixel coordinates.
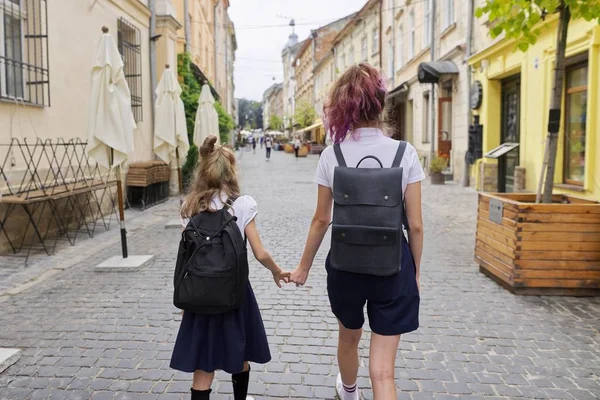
(431, 112)
(360, 39)
(515, 89)
(208, 34)
(316, 48)
(45, 80)
(288, 55)
(272, 104)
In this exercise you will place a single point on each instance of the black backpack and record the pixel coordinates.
(211, 273)
(368, 212)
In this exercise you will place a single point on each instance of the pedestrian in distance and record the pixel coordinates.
(262, 139)
(253, 145)
(268, 146)
(370, 262)
(297, 144)
(210, 340)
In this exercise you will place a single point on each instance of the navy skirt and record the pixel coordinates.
(392, 301)
(223, 341)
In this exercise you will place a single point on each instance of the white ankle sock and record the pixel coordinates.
(350, 391)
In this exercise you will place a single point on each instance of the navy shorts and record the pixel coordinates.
(392, 301)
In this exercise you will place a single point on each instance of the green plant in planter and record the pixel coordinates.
(438, 164)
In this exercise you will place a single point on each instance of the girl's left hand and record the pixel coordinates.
(281, 275)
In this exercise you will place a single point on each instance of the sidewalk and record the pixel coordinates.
(109, 335)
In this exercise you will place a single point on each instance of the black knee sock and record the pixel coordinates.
(201, 394)
(240, 385)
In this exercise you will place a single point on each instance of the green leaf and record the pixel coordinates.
(497, 30)
(523, 46)
(479, 12)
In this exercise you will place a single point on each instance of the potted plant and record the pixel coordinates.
(438, 164)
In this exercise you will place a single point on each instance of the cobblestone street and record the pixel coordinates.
(95, 335)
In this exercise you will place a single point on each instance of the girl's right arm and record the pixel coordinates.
(412, 198)
(263, 256)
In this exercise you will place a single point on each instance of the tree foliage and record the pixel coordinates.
(305, 114)
(521, 19)
(275, 123)
(250, 114)
(226, 122)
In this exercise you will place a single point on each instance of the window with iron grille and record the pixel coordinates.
(24, 75)
(130, 47)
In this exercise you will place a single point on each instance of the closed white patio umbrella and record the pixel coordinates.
(111, 123)
(207, 119)
(170, 129)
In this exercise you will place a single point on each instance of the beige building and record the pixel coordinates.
(317, 47)
(429, 90)
(209, 36)
(272, 104)
(359, 41)
(45, 80)
(288, 55)
(324, 77)
(51, 85)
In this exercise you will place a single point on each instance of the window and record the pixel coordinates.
(425, 131)
(351, 56)
(375, 40)
(427, 23)
(575, 123)
(364, 49)
(400, 49)
(24, 73)
(448, 13)
(390, 58)
(411, 35)
(130, 47)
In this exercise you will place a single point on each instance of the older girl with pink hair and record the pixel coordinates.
(353, 116)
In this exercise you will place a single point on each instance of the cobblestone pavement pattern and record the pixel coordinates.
(109, 335)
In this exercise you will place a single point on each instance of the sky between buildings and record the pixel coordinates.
(262, 31)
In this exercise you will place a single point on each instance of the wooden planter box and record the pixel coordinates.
(539, 249)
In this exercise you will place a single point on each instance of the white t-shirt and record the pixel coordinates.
(268, 143)
(244, 208)
(297, 143)
(365, 142)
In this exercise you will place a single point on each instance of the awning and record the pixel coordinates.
(400, 92)
(430, 72)
(310, 128)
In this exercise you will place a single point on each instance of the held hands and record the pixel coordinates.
(299, 276)
(280, 275)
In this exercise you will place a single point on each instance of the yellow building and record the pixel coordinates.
(516, 88)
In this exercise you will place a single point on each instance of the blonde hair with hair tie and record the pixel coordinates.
(215, 175)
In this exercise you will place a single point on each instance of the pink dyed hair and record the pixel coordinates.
(358, 96)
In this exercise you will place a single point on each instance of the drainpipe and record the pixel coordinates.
(393, 48)
(380, 34)
(153, 39)
(215, 38)
(432, 96)
(187, 25)
(466, 169)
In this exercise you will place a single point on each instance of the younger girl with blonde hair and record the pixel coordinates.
(228, 341)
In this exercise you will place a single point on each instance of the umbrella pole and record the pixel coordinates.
(179, 172)
(121, 206)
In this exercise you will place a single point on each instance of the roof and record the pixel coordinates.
(348, 28)
(328, 39)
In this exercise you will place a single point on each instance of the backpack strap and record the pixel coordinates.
(399, 154)
(338, 154)
(396, 164)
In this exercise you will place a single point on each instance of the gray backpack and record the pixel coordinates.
(368, 212)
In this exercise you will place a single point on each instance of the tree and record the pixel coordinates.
(226, 122)
(521, 20)
(305, 114)
(275, 123)
(190, 94)
(250, 114)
